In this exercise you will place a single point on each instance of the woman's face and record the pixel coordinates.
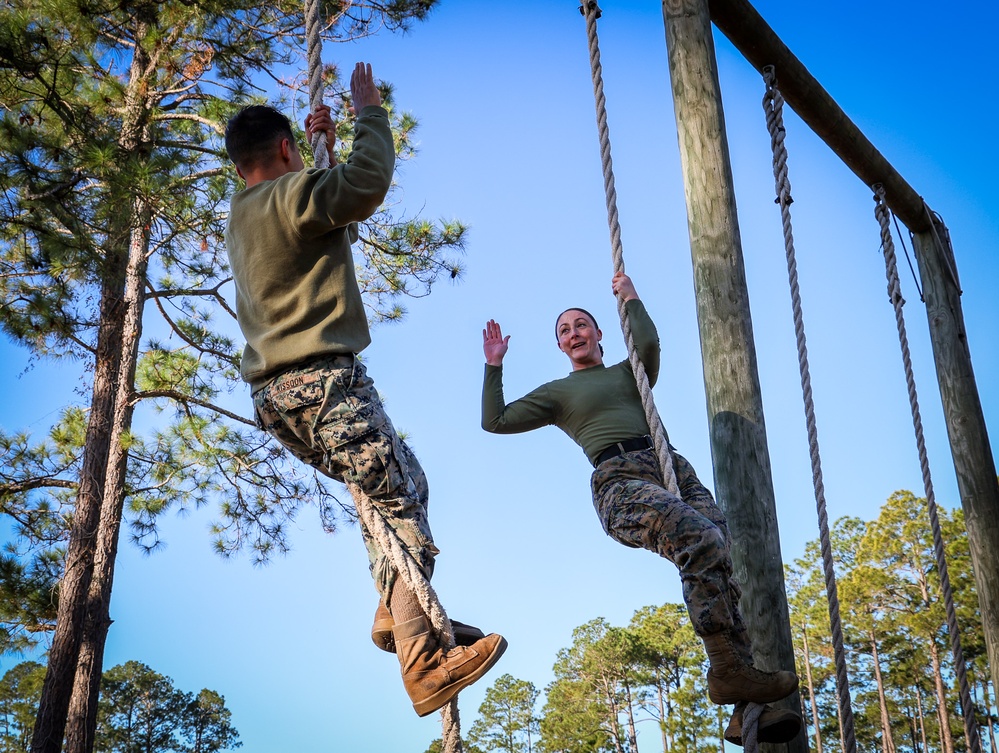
(579, 339)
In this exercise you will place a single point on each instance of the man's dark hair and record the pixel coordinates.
(252, 134)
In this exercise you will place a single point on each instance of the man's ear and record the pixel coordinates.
(239, 172)
(287, 149)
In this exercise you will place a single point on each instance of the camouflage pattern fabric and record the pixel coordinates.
(692, 533)
(328, 415)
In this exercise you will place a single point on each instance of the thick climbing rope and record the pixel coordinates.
(314, 58)
(751, 726)
(591, 12)
(370, 518)
(773, 106)
(881, 212)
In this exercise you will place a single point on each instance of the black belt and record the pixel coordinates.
(628, 445)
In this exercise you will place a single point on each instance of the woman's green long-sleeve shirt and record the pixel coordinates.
(597, 406)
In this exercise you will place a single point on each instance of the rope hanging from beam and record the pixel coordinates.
(895, 296)
(591, 12)
(370, 518)
(773, 106)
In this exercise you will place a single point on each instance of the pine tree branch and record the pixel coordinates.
(213, 293)
(193, 177)
(184, 399)
(27, 485)
(180, 333)
(208, 123)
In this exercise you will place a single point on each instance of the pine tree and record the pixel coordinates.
(670, 655)
(507, 720)
(20, 689)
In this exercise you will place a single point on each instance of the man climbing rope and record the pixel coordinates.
(299, 306)
(601, 409)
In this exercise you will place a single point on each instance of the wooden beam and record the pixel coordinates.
(760, 45)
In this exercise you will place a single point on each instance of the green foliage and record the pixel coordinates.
(891, 607)
(20, 689)
(207, 724)
(140, 711)
(584, 700)
(507, 720)
(437, 746)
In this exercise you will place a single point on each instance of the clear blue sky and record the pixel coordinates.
(508, 144)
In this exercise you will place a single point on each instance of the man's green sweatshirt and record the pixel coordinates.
(289, 248)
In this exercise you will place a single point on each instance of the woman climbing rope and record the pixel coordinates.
(600, 408)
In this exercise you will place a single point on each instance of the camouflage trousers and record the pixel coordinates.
(692, 533)
(328, 415)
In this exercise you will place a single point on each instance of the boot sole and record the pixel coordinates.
(723, 699)
(440, 699)
(381, 635)
(781, 731)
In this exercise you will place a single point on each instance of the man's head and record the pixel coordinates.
(259, 138)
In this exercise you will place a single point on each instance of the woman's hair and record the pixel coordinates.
(584, 311)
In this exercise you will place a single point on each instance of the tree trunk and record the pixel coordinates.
(632, 734)
(613, 714)
(50, 723)
(922, 719)
(887, 741)
(720, 714)
(662, 715)
(946, 739)
(913, 738)
(989, 721)
(74, 589)
(82, 723)
(811, 691)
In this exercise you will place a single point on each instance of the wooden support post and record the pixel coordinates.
(969, 440)
(742, 473)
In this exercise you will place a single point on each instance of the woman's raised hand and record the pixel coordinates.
(494, 345)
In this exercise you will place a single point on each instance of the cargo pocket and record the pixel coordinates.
(370, 461)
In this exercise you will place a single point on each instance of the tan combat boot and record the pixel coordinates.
(432, 677)
(731, 680)
(774, 726)
(381, 631)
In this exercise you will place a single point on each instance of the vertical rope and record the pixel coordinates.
(401, 560)
(895, 296)
(751, 727)
(314, 56)
(773, 106)
(591, 12)
(413, 578)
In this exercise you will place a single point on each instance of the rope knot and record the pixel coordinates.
(590, 5)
